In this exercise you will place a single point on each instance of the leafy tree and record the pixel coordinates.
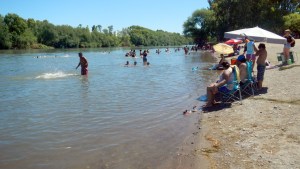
(46, 33)
(5, 36)
(16, 32)
(200, 26)
(292, 21)
(227, 15)
(110, 29)
(15, 23)
(26, 39)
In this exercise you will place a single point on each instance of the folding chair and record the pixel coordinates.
(235, 93)
(250, 85)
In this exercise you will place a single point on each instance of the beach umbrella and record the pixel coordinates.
(257, 34)
(233, 41)
(223, 48)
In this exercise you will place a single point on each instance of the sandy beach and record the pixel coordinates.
(262, 132)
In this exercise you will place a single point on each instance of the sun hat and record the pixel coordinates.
(288, 30)
(241, 58)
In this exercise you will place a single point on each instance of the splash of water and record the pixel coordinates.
(55, 75)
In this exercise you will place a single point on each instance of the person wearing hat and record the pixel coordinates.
(241, 63)
(286, 49)
(83, 63)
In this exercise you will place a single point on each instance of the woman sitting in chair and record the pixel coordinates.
(224, 84)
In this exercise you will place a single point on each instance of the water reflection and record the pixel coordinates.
(84, 91)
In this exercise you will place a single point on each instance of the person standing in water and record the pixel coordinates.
(145, 57)
(83, 63)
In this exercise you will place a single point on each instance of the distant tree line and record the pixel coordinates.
(19, 33)
(209, 25)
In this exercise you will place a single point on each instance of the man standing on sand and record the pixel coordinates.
(261, 63)
(83, 63)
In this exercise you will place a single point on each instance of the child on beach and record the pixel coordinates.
(261, 64)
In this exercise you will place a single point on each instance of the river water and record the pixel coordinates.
(116, 117)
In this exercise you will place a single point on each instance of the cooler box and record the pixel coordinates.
(280, 57)
(292, 57)
(233, 62)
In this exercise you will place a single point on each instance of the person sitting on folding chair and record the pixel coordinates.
(247, 82)
(241, 63)
(227, 78)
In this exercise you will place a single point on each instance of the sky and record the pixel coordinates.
(167, 15)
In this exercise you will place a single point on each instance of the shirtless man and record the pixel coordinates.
(83, 63)
(241, 63)
(261, 63)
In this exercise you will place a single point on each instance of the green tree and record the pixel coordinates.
(200, 26)
(292, 21)
(110, 29)
(15, 23)
(26, 39)
(46, 33)
(5, 36)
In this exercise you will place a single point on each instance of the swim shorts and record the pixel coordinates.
(250, 56)
(260, 72)
(287, 45)
(84, 71)
(224, 89)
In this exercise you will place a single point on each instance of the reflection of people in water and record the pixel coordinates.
(83, 63)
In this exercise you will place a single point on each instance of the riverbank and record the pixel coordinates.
(263, 132)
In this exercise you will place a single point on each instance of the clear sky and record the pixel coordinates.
(167, 15)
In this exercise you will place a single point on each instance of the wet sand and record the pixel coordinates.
(262, 132)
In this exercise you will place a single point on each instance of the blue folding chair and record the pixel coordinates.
(250, 85)
(235, 93)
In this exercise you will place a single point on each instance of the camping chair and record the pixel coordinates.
(235, 93)
(249, 85)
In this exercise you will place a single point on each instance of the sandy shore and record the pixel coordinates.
(262, 132)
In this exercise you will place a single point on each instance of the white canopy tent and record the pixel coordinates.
(258, 34)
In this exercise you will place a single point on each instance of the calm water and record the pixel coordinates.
(117, 117)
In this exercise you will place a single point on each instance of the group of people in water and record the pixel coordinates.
(143, 55)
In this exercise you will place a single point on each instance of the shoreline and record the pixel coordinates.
(263, 132)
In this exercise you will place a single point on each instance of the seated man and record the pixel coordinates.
(241, 63)
(226, 77)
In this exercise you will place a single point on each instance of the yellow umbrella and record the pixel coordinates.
(223, 48)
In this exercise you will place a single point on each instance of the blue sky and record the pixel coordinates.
(167, 15)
